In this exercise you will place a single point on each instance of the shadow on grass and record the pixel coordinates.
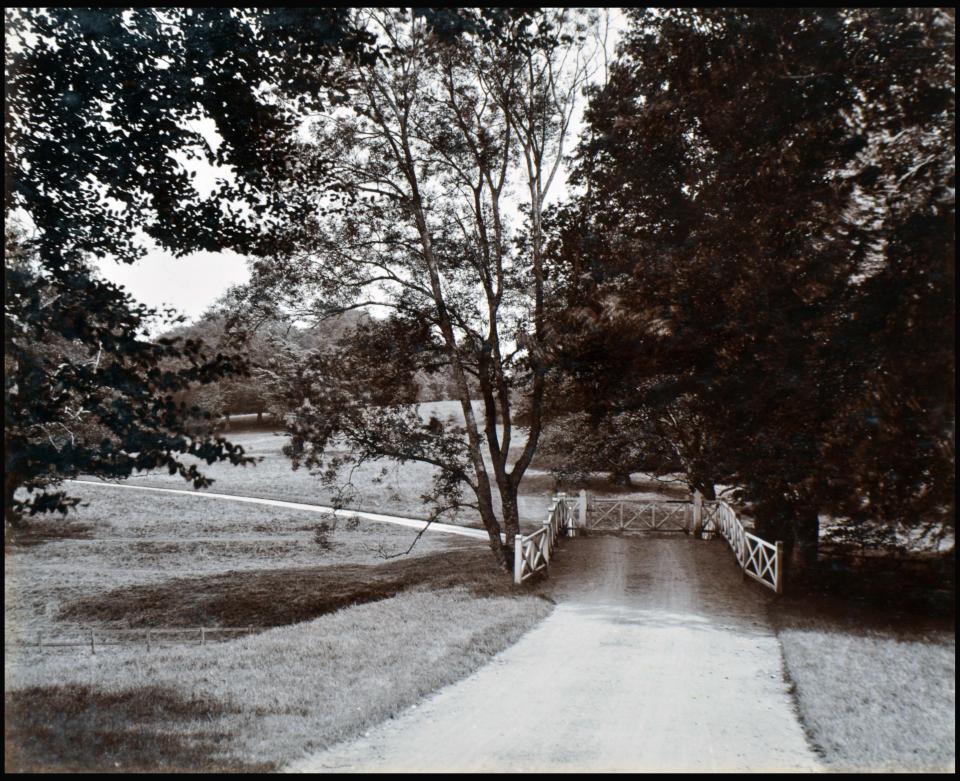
(598, 485)
(906, 597)
(75, 728)
(37, 531)
(268, 598)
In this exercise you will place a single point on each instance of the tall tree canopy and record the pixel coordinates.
(441, 141)
(100, 116)
(765, 243)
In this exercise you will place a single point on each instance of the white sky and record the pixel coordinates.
(191, 284)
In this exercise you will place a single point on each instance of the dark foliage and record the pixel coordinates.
(766, 243)
(99, 104)
(87, 393)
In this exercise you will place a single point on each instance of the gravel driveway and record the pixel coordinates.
(657, 657)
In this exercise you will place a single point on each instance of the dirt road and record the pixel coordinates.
(657, 657)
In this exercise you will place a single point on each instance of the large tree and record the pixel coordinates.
(766, 238)
(70, 410)
(442, 142)
(101, 115)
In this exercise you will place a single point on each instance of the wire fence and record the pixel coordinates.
(93, 638)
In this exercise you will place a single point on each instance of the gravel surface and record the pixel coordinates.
(658, 657)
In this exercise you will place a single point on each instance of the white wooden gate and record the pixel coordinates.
(761, 560)
(625, 515)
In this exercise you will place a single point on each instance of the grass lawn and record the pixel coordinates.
(129, 539)
(873, 692)
(254, 703)
(347, 637)
(380, 486)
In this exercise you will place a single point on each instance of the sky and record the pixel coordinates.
(159, 279)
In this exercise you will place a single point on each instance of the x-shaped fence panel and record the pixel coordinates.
(759, 559)
(532, 551)
(623, 514)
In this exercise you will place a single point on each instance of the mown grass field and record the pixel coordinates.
(258, 702)
(875, 689)
(381, 486)
(124, 539)
(347, 637)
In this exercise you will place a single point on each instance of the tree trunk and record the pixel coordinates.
(511, 511)
(801, 547)
(798, 527)
(502, 552)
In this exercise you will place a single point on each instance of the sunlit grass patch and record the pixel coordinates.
(139, 538)
(871, 697)
(292, 689)
(379, 486)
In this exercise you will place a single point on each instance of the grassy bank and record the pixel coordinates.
(254, 703)
(347, 637)
(875, 691)
(379, 486)
(277, 597)
(124, 540)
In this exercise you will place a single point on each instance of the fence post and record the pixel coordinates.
(148, 639)
(93, 648)
(203, 636)
(779, 568)
(517, 559)
(564, 514)
(581, 520)
(697, 513)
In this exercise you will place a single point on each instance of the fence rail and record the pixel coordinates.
(92, 638)
(532, 552)
(758, 559)
(761, 560)
(632, 515)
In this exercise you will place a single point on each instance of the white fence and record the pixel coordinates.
(761, 560)
(531, 553)
(758, 559)
(633, 515)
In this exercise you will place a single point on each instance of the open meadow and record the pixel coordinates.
(380, 486)
(343, 632)
(342, 637)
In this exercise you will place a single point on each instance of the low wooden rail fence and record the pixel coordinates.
(761, 560)
(92, 638)
(531, 553)
(758, 559)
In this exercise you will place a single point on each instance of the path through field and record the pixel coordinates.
(657, 657)
(413, 523)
